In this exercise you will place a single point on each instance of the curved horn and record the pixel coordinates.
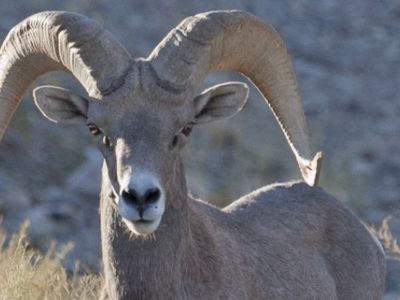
(58, 41)
(238, 41)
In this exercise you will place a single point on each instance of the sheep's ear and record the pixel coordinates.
(61, 105)
(220, 101)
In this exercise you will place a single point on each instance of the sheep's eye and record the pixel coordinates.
(94, 130)
(187, 129)
(180, 138)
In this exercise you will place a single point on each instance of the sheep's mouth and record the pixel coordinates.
(142, 226)
(143, 221)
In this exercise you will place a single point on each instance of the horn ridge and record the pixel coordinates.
(59, 41)
(236, 40)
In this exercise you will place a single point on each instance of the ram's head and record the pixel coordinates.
(141, 111)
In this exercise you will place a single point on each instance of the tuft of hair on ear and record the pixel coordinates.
(61, 105)
(220, 101)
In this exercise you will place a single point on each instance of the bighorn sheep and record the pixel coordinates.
(285, 241)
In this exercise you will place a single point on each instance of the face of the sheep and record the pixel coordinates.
(140, 138)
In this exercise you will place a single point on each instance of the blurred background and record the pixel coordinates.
(347, 58)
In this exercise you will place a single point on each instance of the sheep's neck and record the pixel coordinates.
(143, 267)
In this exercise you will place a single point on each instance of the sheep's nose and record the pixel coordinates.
(133, 197)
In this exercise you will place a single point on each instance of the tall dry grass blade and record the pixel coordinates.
(384, 234)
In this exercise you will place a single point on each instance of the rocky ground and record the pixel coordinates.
(347, 58)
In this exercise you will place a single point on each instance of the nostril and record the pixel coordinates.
(130, 196)
(152, 195)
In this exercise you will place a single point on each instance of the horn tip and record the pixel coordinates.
(311, 172)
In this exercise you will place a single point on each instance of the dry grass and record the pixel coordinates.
(392, 248)
(27, 274)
